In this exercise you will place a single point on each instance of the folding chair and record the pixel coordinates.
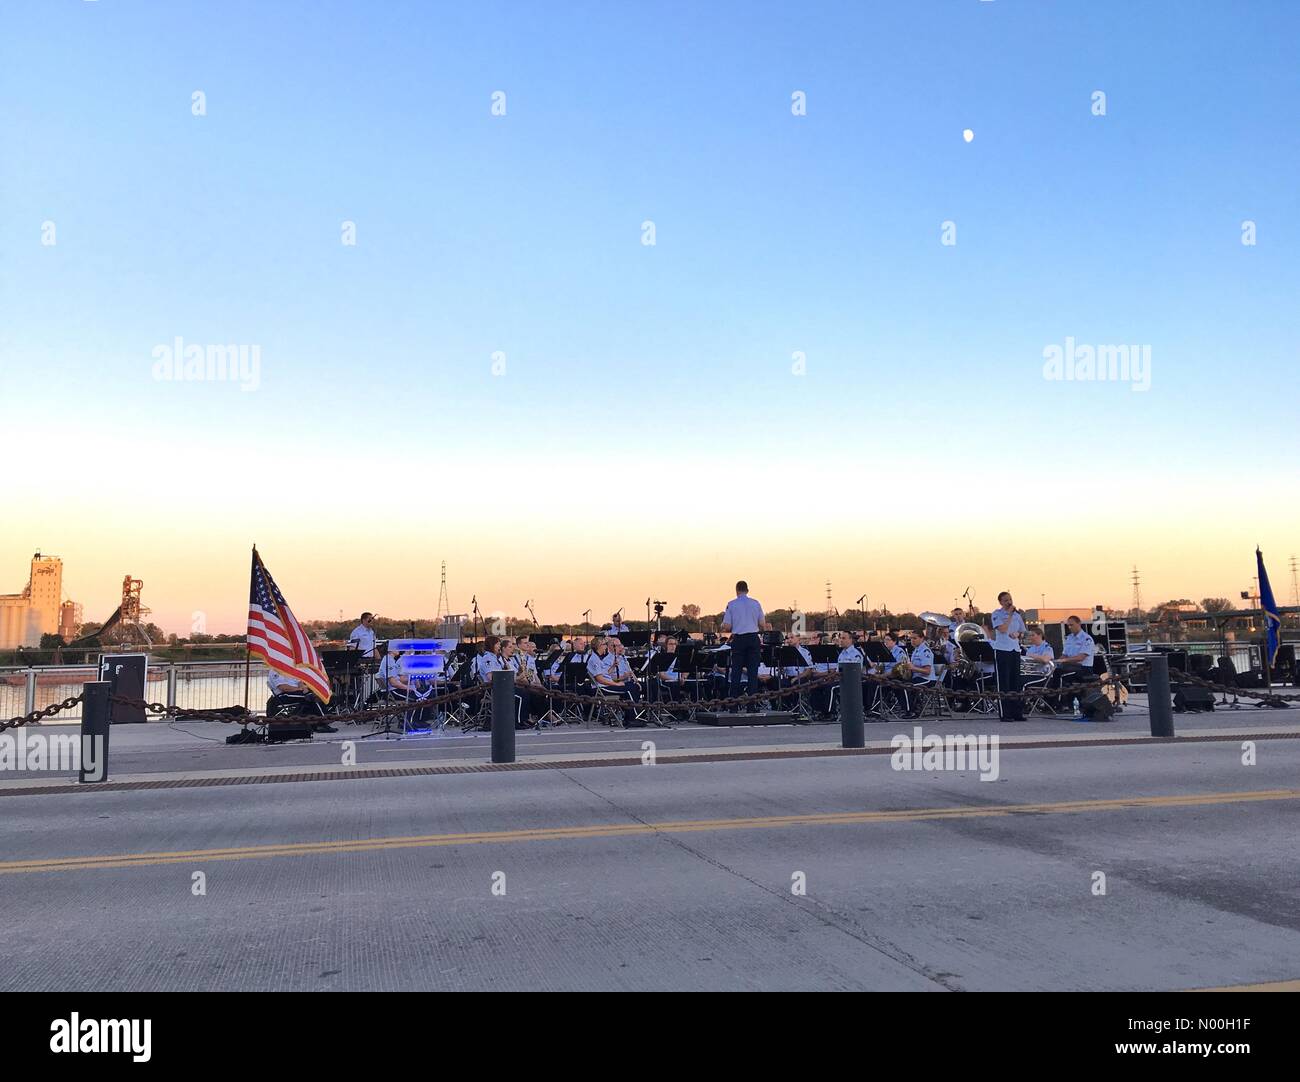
(1035, 685)
(603, 710)
(927, 696)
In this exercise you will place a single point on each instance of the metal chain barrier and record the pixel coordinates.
(41, 715)
(696, 704)
(982, 693)
(242, 716)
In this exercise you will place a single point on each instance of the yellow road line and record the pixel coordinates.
(615, 830)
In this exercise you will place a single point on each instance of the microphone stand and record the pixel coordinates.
(474, 602)
(1223, 645)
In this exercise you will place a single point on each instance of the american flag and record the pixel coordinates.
(274, 634)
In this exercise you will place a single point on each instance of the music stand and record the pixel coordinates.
(691, 662)
(655, 666)
(824, 654)
(788, 657)
(980, 651)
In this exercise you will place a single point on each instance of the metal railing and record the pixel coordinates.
(190, 685)
(1244, 655)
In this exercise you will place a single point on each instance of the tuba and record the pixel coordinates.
(963, 667)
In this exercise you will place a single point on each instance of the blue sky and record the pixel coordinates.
(774, 234)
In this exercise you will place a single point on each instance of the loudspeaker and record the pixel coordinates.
(1192, 698)
(278, 731)
(1094, 706)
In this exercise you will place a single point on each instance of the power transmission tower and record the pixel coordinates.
(1295, 584)
(444, 606)
(1137, 592)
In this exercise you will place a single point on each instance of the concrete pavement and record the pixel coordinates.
(947, 889)
(198, 749)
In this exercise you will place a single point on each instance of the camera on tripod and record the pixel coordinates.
(659, 607)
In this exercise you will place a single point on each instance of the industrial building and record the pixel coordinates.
(25, 617)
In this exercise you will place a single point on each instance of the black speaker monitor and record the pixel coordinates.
(1094, 706)
(1194, 699)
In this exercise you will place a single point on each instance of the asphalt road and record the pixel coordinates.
(674, 877)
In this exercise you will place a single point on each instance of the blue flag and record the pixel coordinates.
(1272, 618)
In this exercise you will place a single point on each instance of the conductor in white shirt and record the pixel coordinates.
(363, 635)
(744, 620)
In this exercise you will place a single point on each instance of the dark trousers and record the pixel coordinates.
(870, 697)
(298, 705)
(789, 698)
(1007, 663)
(530, 702)
(631, 691)
(898, 697)
(745, 657)
(665, 691)
(1063, 677)
(820, 698)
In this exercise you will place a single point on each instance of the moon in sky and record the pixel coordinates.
(968, 135)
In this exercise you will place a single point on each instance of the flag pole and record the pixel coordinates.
(1262, 576)
(248, 654)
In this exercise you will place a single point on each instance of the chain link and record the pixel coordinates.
(41, 715)
(242, 716)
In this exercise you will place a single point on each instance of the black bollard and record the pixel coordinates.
(852, 734)
(503, 716)
(95, 717)
(1158, 697)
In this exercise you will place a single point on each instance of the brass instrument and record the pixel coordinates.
(963, 667)
(1035, 666)
(526, 673)
(902, 670)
